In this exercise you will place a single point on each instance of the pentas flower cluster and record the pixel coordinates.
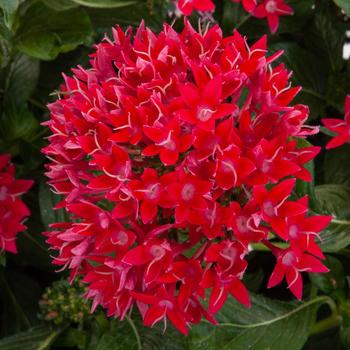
(340, 127)
(269, 9)
(174, 154)
(12, 209)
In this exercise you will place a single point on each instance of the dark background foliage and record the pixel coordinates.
(39, 39)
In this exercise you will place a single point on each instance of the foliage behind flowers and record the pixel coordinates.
(167, 197)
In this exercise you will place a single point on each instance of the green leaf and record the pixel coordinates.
(60, 5)
(132, 335)
(38, 338)
(2, 259)
(344, 5)
(47, 201)
(22, 78)
(105, 3)
(309, 71)
(326, 36)
(336, 166)
(19, 299)
(17, 123)
(268, 324)
(334, 200)
(331, 281)
(9, 8)
(44, 33)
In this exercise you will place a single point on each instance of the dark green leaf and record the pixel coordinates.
(310, 72)
(334, 200)
(19, 301)
(331, 281)
(105, 3)
(38, 338)
(44, 33)
(60, 5)
(22, 78)
(336, 166)
(47, 201)
(344, 4)
(17, 123)
(10, 7)
(268, 324)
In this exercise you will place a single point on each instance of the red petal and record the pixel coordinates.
(239, 292)
(136, 256)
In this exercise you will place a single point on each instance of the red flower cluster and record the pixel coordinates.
(340, 127)
(12, 209)
(188, 6)
(269, 9)
(175, 153)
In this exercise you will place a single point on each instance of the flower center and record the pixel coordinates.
(153, 191)
(241, 223)
(289, 259)
(204, 114)
(271, 6)
(268, 208)
(229, 253)
(157, 251)
(166, 303)
(293, 231)
(122, 238)
(3, 192)
(103, 220)
(266, 166)
(187, 192)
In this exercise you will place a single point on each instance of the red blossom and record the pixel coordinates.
(174, 153)
(340, 127)
(13, 211)
(188, 6)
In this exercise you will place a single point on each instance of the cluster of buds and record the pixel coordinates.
(63, 303)
(12, 209)
(269, 9)
(174, 154)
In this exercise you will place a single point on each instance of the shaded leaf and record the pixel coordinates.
(334, 200)
(344, 5)
(44, 33)
(269, 324)
(105, 3)
(10, 7)
(60, 5)
(38, 338)
(47, 201)
(331, 281)
(19, 301)
(310, 72)
(17, 123)
(22, 78)
(336, 166)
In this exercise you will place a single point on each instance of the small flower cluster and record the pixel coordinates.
(174, 154)
(12, 209)
(340, 127)
(63, 302)
(269, 9)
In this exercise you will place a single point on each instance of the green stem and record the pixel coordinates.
(138, 339)
(245, 19)
(48, 341)
(333, 321)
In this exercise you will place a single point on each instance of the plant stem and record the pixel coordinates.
(333, 321)
(132, 324)
(245, 19)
